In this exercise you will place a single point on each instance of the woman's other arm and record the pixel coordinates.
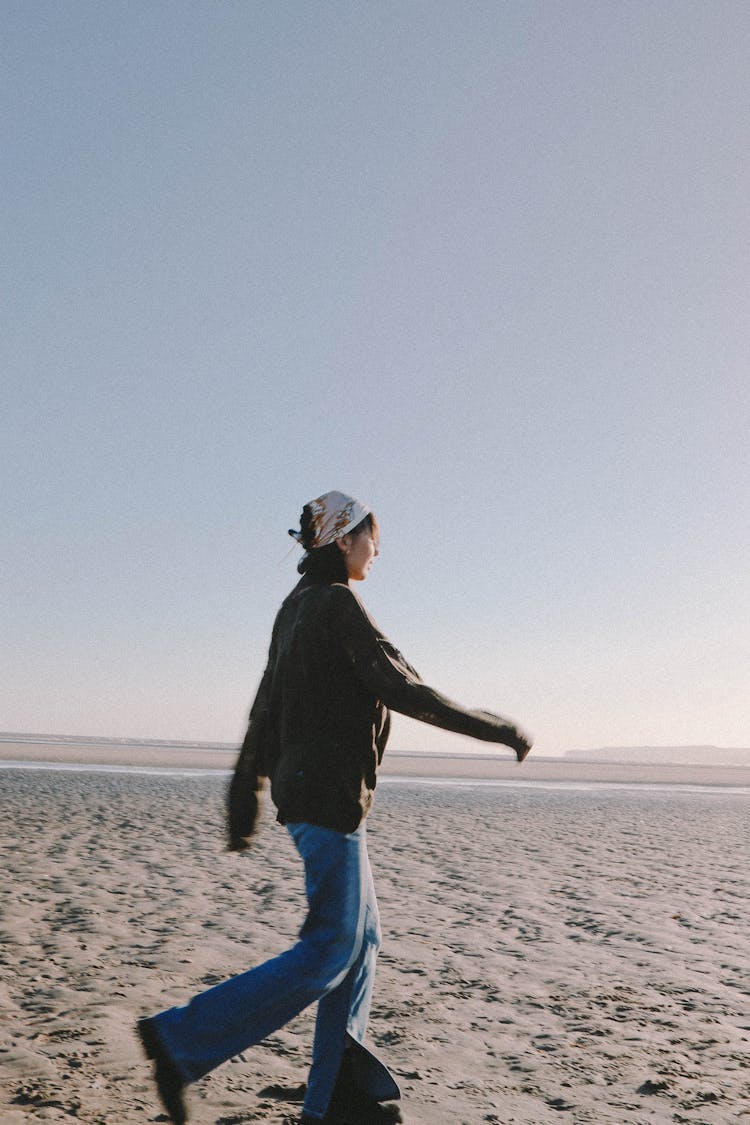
(247, 779)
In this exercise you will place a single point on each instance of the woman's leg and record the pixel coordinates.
(225, 1020)
(345, 1009)
(364, 967)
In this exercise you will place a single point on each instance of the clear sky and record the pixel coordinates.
(484, 265)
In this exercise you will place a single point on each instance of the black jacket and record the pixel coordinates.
(319, 723)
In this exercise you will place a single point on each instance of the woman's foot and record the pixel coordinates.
(351, 1106)
(167, 1077)
(365, 1113)
(370, 1113)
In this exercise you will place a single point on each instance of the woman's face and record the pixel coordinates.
(359, 552)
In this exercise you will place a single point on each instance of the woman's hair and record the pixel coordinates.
(327, 564)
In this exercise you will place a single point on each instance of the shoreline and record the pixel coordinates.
(396, 764)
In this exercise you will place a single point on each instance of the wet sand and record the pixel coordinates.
(549, 955)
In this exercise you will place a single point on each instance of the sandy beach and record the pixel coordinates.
(549, 955)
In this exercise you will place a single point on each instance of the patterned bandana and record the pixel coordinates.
(333, 515)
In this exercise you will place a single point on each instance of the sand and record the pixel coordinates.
(550, 955)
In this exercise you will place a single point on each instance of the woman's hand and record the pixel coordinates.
(242, 813)
(525, 742)
(511, 734)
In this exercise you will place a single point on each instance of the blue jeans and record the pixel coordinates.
(333, 962)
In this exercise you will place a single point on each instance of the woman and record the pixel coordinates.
(317, 730)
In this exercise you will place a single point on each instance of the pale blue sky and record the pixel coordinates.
(484, 265)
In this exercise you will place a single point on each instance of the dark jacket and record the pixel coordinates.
(319, 723)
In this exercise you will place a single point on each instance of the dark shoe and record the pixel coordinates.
(363, 1112)
(351, 1106)
(167, 1077)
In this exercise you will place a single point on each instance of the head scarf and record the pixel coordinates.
(333, 515)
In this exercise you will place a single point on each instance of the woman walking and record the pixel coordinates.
(318, 728)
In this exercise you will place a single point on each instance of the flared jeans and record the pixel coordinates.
(333, 963)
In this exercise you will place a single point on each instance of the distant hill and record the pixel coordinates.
(666, 755)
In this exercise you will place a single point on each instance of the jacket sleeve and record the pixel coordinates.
(385, 672)
(247, 779)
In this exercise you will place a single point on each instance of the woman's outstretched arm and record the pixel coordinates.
(386, 673)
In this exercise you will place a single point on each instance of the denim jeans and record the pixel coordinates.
(333, 962)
